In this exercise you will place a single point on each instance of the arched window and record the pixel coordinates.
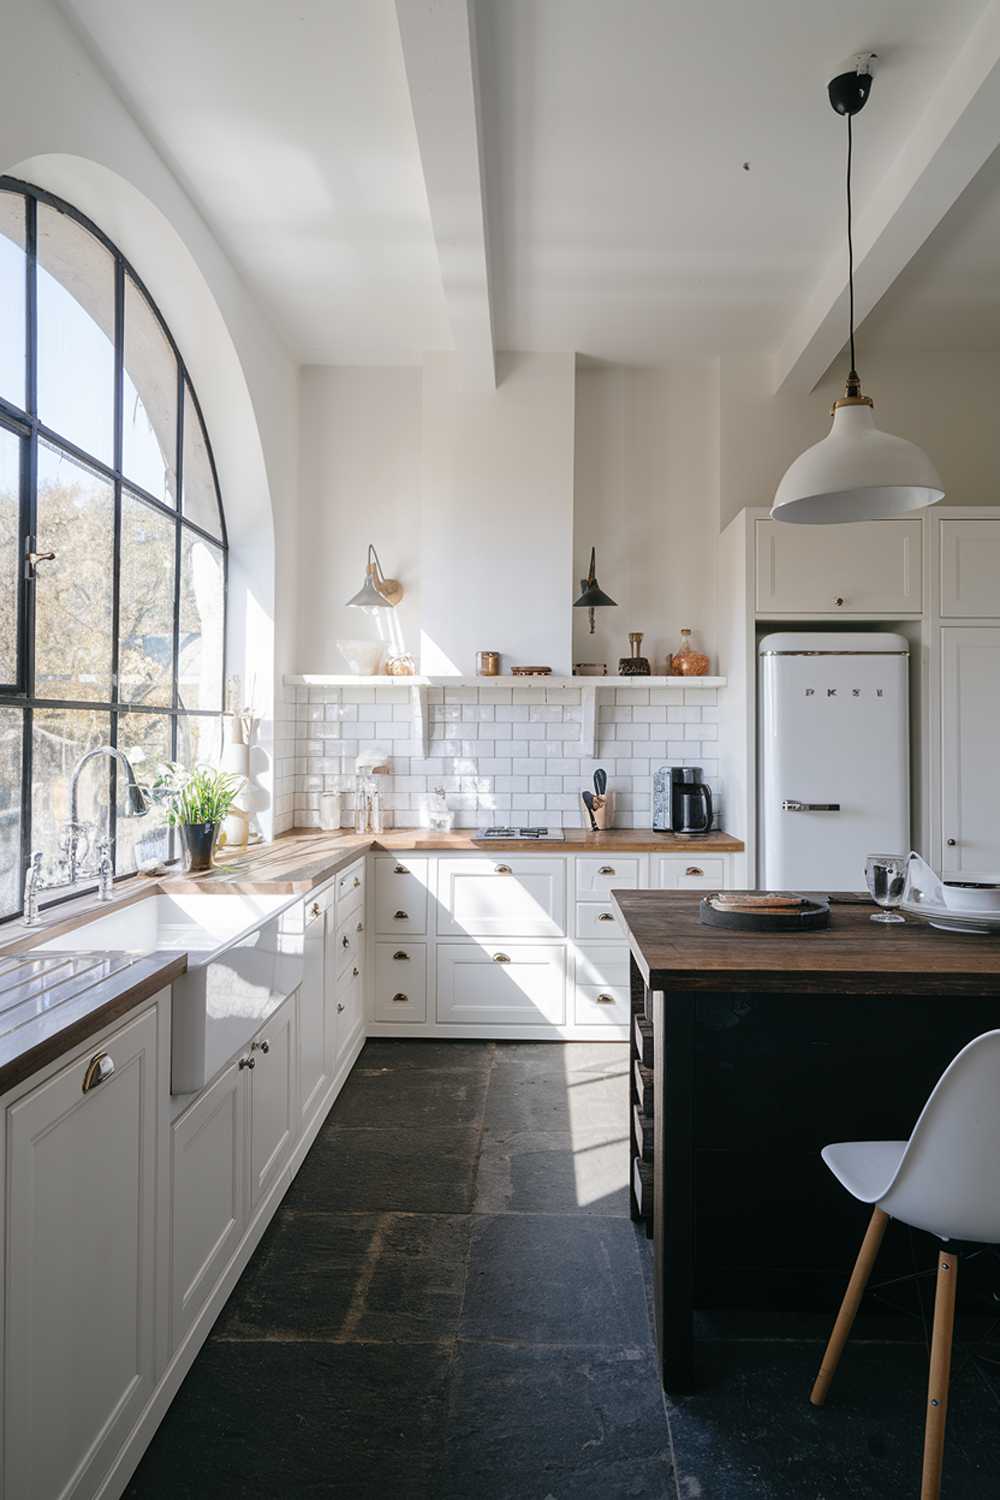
(119, 638)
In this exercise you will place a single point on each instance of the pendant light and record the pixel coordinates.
(593, 596)
(858, 472)
(377, 591)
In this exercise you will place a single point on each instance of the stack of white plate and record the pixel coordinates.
(956, 905)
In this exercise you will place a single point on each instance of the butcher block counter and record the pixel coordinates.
(765, 1048)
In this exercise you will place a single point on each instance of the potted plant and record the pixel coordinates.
(197, 801)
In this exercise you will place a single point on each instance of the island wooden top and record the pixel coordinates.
(853, 956)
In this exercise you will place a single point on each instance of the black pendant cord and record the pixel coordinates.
(850, 244)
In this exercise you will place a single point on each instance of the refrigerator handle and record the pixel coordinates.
(789, 805)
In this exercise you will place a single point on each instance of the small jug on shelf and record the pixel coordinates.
(687, 662)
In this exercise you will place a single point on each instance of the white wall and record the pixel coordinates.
(646, 495)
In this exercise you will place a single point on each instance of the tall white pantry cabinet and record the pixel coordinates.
(935, 578)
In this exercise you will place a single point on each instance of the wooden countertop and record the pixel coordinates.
(853, 956)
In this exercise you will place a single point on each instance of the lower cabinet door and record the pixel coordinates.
(208, 1195)
(272, 1100)
(511, 984)
(314, 1055)
(79, 1283)
(350, 1009)
(400, 982)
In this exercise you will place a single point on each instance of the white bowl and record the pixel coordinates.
(971, 895)
(362, 657)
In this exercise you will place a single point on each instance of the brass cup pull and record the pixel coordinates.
(400, 870)
(605, 916)
(503, 869)
(400, 956)
(340, 1012)
(314, 910)
(357, 882)
(694, 870)
(262, 1046)
(501, 958)
(401, 916)
(400, 999)
(247, 1062)
(355, 971)
(606, 870)
(605, 999)
(345, 941)
(99, 1070)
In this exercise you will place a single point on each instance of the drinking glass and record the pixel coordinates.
(886, 878)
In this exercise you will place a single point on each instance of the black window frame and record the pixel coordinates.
(26, 425)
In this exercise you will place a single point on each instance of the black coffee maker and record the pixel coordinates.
(690, 801)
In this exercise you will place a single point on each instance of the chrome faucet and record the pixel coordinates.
(136, 806)
(32, 885)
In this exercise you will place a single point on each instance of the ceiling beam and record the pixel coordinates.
(439, 53)
(958, 131)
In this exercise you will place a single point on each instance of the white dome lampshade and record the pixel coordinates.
(857, 473)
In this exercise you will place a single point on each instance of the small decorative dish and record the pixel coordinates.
(761, 911)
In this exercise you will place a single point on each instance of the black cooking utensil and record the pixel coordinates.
(600, 782)
(588, 802)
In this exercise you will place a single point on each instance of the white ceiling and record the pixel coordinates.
(621, 222)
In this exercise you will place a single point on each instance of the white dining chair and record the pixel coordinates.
(946, 1180)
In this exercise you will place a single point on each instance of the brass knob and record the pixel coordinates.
(99, 1070)
(501, 958)
(605, 916)
(606, 870)
(951, 843)
(399, 998)
(262, 1046)
(360, 927)
(401, 916)
(340, 1011)
(605, 999)
(247, 1062)
(355, 971)
(357, 882)
(502, 869)
(838, 601)
(400, 955)
(693, 870)
(345, 941)
(400, 870)
(314, 910)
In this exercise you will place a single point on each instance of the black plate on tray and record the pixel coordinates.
(809, 917)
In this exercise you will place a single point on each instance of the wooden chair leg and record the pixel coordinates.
(849, 1307)
(940, 1375)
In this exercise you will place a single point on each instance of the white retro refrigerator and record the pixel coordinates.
(834, 756)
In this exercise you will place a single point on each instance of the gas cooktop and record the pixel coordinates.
(528, 835)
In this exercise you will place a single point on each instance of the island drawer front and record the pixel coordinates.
(602, 1005)
(350, 888)
(605, 966)
(401, 896)
(400, 982)
(689, 872)
(596, 878)
(597, 921)
(350, 940)
(318, 902)
(504, 984)
(508, 896)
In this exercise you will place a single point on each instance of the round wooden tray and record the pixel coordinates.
(808, 918)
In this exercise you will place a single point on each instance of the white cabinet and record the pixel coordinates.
(271, 1063)
(970, 732)
(597, 877)
(672, 872)
(208, 1194)
(401, 896)
(314, 1055)
(79, 1287)
(400, 982)
(970, 567)
(510, 896)
(350, 1010)
(350, 889)
(520, 984)
(868, 568)
(597, 921)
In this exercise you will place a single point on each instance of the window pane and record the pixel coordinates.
(10, 555)
(76, 320)
(200, 502)
(146, 605)
(145, 739)
(73, 594)
(201, 624)
(11, 725)
(149, 415)
(199, 739)
(59, 737)
(12, 285)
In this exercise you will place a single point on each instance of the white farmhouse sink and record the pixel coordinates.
(244, 957)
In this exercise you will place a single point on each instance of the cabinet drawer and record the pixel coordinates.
(596, 922)
(512, 896)
(689, 873)
(318, 902)
(970, 568)
(350, 941)
(864, 568)
(518, 984)
(350, 888)
(602, 1005)
(400, 982)
(603, 967)
(350, 1009)
(597, 877)
(401, 896)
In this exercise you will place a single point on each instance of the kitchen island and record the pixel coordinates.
(765, 1048)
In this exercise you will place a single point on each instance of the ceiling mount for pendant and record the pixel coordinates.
(849, 91)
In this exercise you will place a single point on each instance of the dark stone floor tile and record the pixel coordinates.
(387, 1278)
(422, 1170)
(430, 1055)
(536, 1098)
(403, 1099)
(555, 1424)
(564, 1059)
(567, 1280)
(583, 1172)
(343, 1422)
(751, 1434)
